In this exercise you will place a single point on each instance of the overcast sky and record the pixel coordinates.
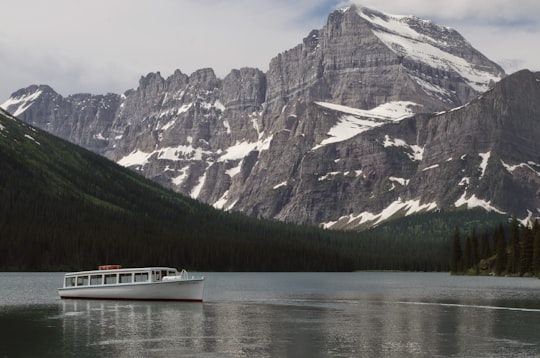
(101, 46)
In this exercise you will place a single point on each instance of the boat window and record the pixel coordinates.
(96, 279)
(125, 278)
(82, 280)
(163, 273)
(171, 273)
(70, 281)
(156, 275)
(141, 277)
(110, 279)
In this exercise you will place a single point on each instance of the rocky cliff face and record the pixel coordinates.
(484, 154)
(80, 118)
(328, 135)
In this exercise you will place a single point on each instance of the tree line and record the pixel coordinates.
(512, 250)
(51, 235)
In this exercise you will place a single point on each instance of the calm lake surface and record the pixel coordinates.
(361, 314)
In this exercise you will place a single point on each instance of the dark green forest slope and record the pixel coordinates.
(65, 208)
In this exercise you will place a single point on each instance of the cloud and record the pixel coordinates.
(104, 46)
(75, 46)
(487, 11)
(513, 49)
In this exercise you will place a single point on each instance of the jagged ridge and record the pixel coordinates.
(272, 144)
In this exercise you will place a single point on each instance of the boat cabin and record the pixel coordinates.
(114, 274)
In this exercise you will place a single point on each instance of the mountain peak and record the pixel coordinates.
(22, 99)
(439, 47)
(378, 58)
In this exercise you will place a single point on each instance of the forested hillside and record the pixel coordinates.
(65, 208)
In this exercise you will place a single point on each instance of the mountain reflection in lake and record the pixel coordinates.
(289, 315)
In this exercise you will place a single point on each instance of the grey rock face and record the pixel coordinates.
(495, 139)
(321, 137)
(82, 118)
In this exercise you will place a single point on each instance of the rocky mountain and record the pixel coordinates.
(483, 154)
(339, 131)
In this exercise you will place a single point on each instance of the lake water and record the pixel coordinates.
(361, 314)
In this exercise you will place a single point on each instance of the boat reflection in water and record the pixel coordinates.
(130, 329)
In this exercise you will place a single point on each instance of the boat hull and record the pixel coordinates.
(184, 290)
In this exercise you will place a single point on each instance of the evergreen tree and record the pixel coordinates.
(500, 250)
(456, 261)
(474, 251)
(513, 248)
(467, 255)
(526, 254)
(536, 248)
(485, 247)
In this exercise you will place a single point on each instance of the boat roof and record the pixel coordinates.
(127, 269)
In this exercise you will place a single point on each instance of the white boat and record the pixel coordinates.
(112, 282)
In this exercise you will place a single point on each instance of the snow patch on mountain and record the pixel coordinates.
(168, 125)
(277, 186)
(184, 108)
(136, 157)
(331, 175)
(430, 167)
(415, 152)
(409, 207)
(227, 126)
(484, 163)
(401, 181)
(22, 103)
(181, 152)
(464, 181)
(234, 170)
(512, 168)
(27, 136)
(196, 191)
(437, 91)
(474, 202)
(531, 217)
(219, 106)
(179, 180)
(240, 149)
(221, 201)
(328, 176)
(354, 121)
